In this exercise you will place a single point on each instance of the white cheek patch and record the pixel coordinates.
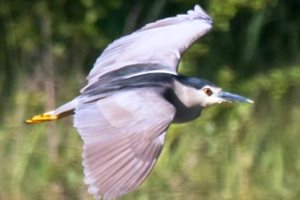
(210, 100)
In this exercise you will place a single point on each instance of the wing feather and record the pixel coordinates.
(163, 42)
(122, 139)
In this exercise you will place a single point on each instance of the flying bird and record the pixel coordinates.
(133, 94)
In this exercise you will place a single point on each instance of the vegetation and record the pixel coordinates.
(232, 152)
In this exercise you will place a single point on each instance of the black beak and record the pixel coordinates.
(227, 96)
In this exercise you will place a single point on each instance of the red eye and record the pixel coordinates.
(207, 91)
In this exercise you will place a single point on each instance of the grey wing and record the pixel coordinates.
(123, 135)
(163, 42)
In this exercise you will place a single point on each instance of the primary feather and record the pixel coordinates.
(163, 42)
(119, 154)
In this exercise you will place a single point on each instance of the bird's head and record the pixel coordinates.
(204, 93)
(210, 95)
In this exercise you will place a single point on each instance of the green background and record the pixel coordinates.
(234, 151)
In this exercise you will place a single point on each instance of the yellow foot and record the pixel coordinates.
(42, 118)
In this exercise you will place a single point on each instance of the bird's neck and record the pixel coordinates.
(181, 96)
(189, 96)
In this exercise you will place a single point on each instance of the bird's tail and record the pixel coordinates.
(62, 111)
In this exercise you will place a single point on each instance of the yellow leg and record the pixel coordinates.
(42, 118)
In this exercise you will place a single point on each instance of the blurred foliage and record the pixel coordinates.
(231, 152)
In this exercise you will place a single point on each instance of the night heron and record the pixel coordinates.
(132, 96)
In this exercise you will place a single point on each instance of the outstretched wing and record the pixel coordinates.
(163, 42)
(123, 135)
